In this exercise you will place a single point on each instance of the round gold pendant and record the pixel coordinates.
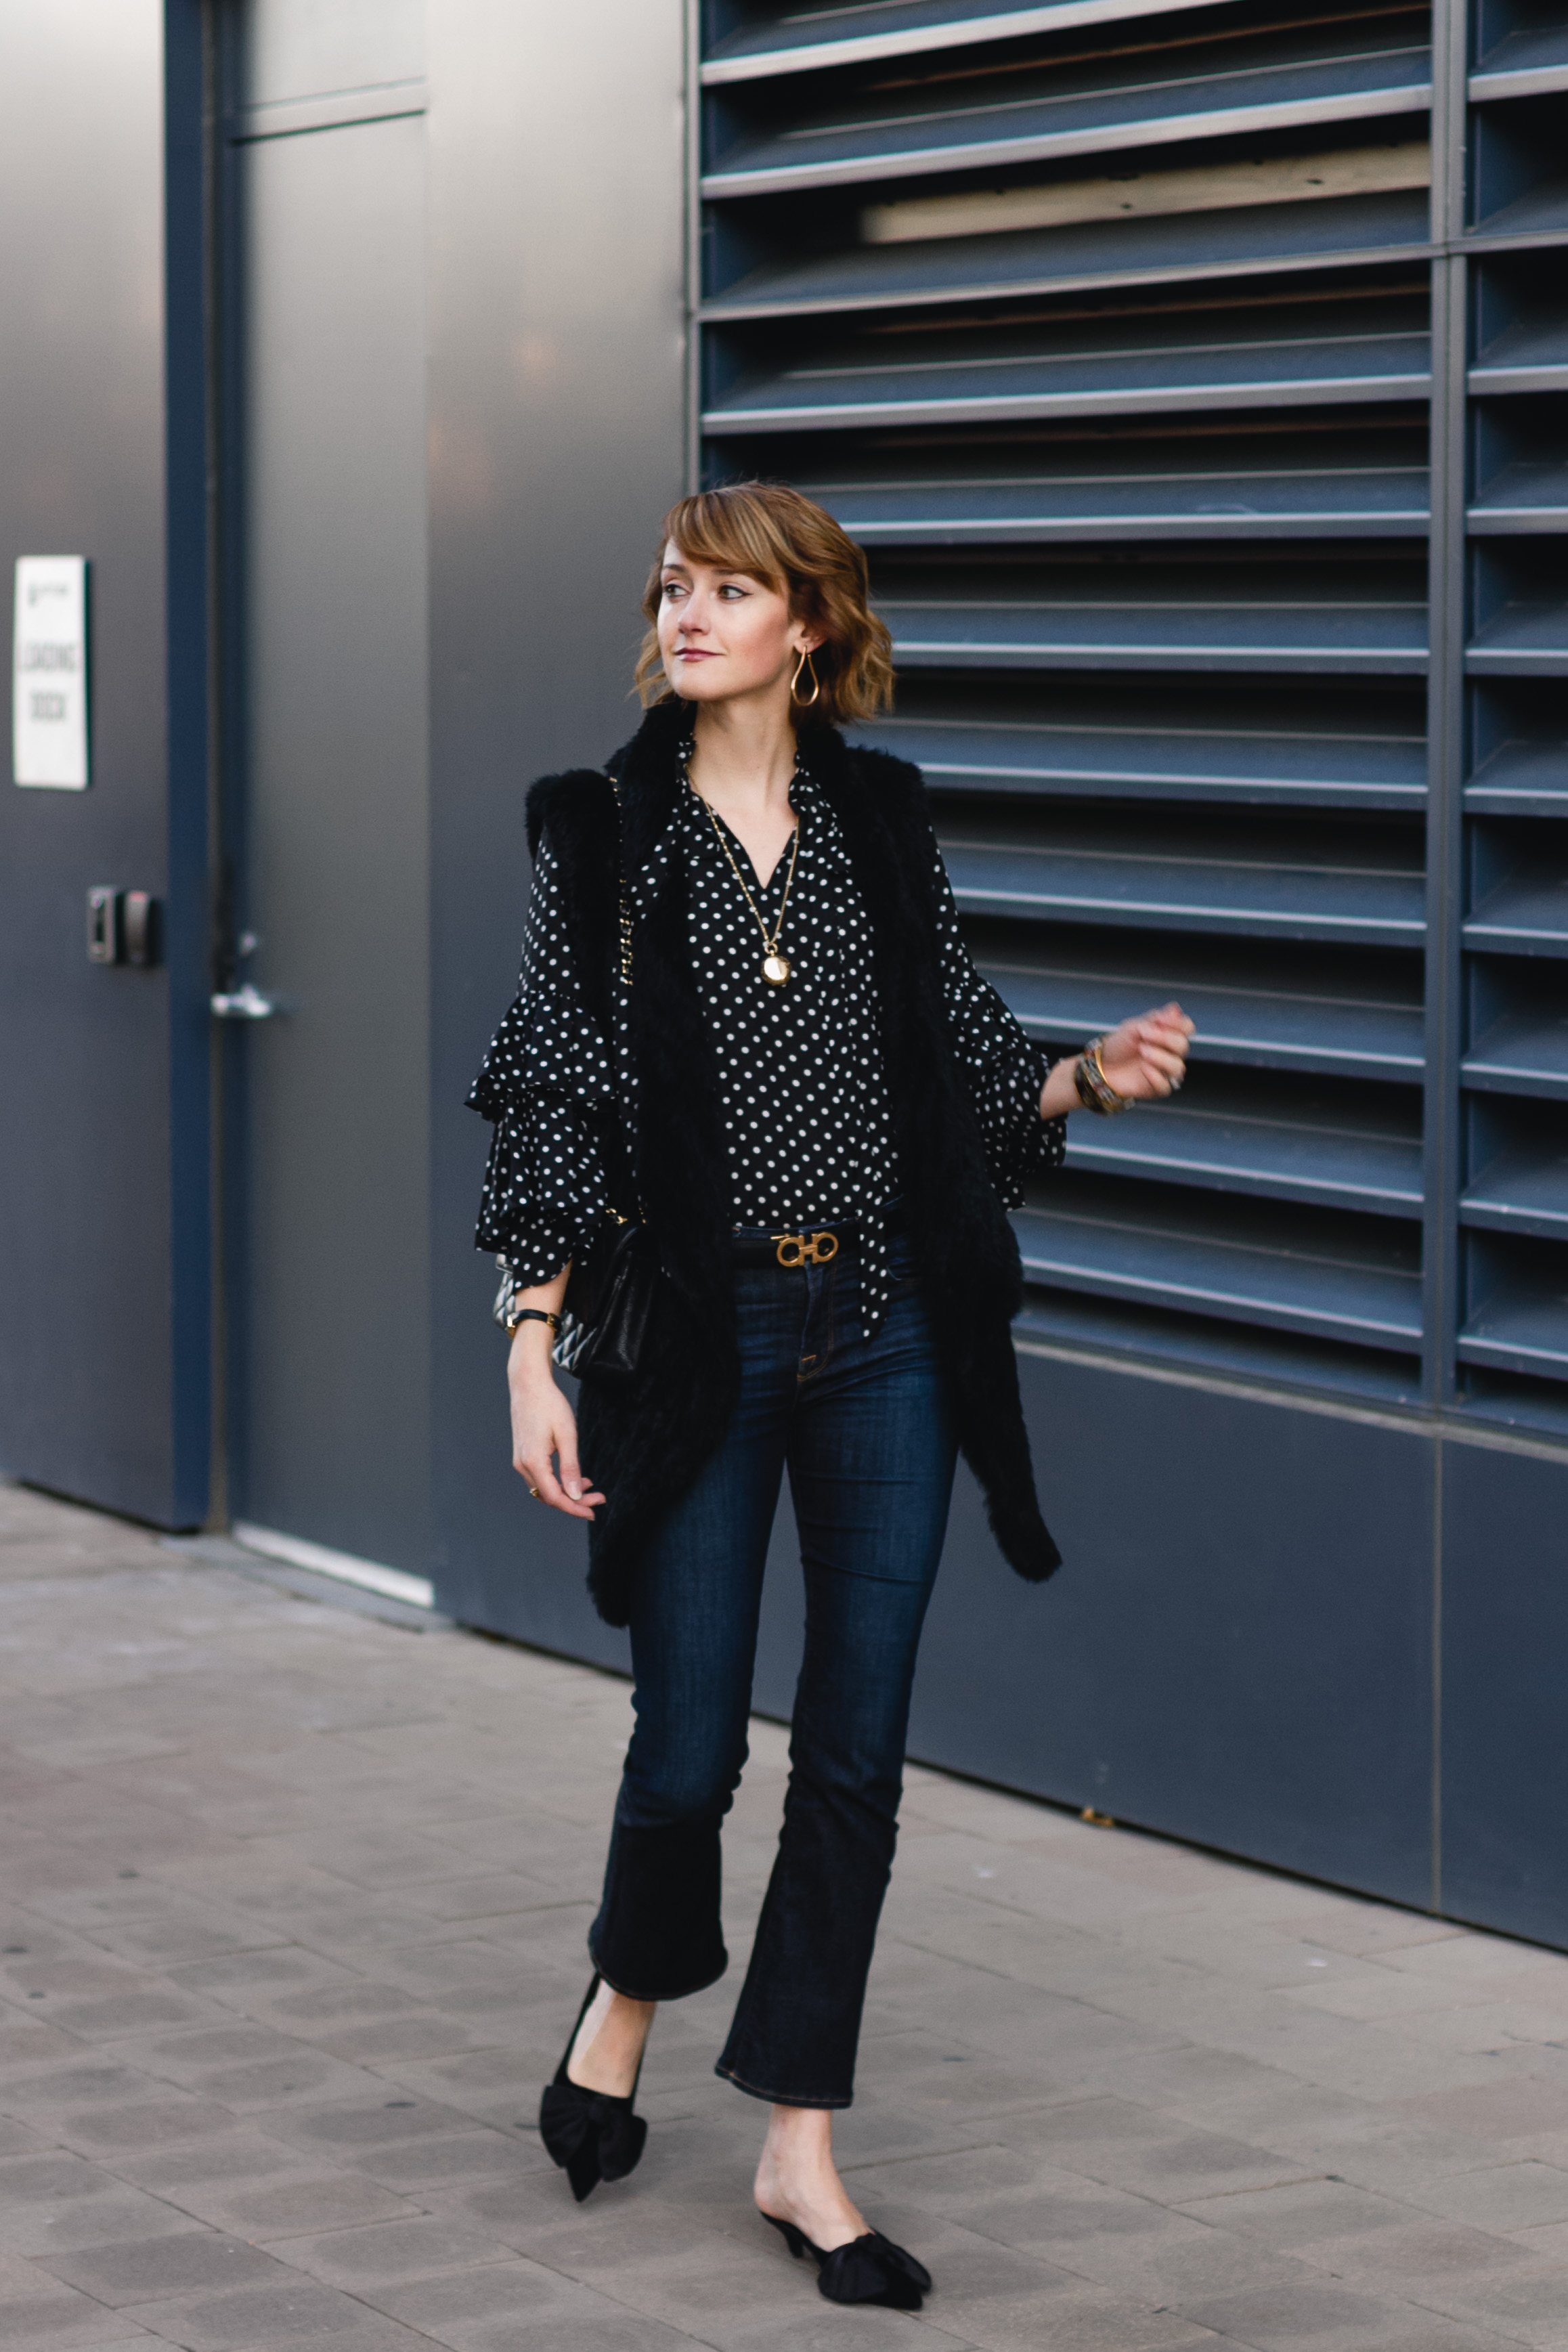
(775, 967)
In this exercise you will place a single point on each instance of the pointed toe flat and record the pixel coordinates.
(591, 2135)
(869, 2269)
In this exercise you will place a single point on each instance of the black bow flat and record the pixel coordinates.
(592, 2134)
(870, 2269)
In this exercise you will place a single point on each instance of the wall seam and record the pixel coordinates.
(1436, 1831)
(213, 359)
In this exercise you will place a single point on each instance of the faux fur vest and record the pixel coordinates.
(646, 1439)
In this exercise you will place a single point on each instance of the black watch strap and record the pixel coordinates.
(516, 1314)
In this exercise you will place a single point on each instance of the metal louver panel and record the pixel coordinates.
(1521, 779)
(1525, 1052)
(1261, 1020)
(1164, 620)
(1522, 498)
(1531, 62)
(1302, 1159)
(1121, 115)
(1529, 638)
(1350, 352)
(1524, 1193)
(1200, 245)
(1106, 328)
(1520, 1331)
(1532, 356)
(1218, 896)
(1526, 915)
(770, 41)
(1183, 1268)
(1079, 747)
(1141, 500)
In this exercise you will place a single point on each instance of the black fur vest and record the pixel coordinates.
(646, 1439)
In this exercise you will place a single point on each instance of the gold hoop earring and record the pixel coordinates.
(805, 662)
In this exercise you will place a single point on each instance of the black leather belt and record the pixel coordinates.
(819, 1246)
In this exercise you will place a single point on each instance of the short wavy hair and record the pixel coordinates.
(785, 539)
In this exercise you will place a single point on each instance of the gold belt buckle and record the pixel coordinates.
(806, 1249)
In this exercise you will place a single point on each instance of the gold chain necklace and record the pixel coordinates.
(776, 968)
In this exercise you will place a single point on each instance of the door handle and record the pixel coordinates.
(247, 1004)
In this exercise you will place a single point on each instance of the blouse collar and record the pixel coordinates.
(650, 773)
(683, 812)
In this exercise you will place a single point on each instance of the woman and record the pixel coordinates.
(748, 1023)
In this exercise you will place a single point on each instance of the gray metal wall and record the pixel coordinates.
(104, 1257)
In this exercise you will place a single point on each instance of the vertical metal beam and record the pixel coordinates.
(188, 556)
(213, 362)
(226, 363)
(1451, 62)
(1445, 703)
(694, 357)
(1445, 775)
(1435, 1897)
(1444, 1031)
(1445, 787)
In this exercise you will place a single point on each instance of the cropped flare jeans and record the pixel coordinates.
(863, 1427)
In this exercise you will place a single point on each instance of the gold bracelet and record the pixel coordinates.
(1094, 1089)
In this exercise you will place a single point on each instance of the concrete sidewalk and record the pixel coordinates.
(292, 1906)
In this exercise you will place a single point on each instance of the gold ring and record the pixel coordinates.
(534, 1492)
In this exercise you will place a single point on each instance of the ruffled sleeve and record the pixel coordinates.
(1005, 1069)
(545, 1085)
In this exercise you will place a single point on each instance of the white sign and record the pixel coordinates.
(48, 675)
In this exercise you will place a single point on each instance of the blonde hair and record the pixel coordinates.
(793, 546)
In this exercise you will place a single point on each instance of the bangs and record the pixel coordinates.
(732, 535)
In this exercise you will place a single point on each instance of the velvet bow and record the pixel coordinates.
(873, 2269)
(590, 2135)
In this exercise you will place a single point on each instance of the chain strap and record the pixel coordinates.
(576, 1344)
(625, 902)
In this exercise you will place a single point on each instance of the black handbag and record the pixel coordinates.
(609, 1300)
(605, 1313)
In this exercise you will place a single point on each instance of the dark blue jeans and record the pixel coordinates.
(864, 1429)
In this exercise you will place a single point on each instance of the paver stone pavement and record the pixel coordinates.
(292, 1905)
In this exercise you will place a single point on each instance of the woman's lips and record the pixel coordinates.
(693, 653)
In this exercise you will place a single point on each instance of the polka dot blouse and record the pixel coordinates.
(808, 1121)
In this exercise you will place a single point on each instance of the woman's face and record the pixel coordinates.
(723, 633)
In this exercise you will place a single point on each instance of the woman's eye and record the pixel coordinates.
(729, 589)
(671, 590)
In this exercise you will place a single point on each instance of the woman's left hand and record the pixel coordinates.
(1146, 1059)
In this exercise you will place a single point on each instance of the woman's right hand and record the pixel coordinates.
(544, 1431)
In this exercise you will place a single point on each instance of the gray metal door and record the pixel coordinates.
(328, 1183)
(104, 1248)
